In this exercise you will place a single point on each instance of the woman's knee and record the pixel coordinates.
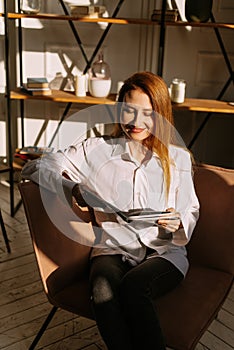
(102, 291)
(105, 278)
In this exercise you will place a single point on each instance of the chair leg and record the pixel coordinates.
(43, 327)
(4, 233)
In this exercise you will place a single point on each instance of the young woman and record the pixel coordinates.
(138, 167)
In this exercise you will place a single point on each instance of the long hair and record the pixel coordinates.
(157, 91)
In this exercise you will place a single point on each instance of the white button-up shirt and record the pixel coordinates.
(105, 166)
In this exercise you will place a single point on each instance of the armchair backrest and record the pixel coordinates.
(212, 243)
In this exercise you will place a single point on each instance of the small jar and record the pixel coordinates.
(177, 90)
(30, 6)
(99, 78)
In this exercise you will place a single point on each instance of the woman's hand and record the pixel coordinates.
(170, 222)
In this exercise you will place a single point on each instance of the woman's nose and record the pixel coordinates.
(139, 118)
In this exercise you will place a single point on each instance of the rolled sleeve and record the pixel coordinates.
(57, 172)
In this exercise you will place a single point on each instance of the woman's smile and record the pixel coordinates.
(136, 117)
(134, 129)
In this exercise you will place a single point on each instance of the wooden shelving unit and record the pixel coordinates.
(197, 105)
(193, 105)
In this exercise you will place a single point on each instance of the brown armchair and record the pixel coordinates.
(187, 311)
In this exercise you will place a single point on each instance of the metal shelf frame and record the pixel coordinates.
(8, 16)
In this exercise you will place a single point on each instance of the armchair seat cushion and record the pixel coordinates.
(192, 306)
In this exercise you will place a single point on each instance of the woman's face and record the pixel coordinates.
(137, 116)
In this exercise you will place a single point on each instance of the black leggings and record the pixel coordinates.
(122, 298)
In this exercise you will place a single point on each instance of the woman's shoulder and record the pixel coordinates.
(105, 142)
(178, 151)
(93, 140)
(98, 140)
(180, 156)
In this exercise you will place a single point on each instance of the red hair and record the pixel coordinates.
(157, 91)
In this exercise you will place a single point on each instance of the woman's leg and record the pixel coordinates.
(106, 275)
(152, 278)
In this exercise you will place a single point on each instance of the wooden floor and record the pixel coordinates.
(23, 305)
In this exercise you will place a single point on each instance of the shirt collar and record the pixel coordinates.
(121, 148)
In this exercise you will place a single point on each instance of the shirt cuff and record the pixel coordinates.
(179, 237)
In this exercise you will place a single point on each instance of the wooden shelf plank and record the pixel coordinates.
(190, 104)
(62, 96)
(204, 105)
(47, 16)
(199, 24)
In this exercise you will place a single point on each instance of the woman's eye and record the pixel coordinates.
(128, 110)
(131, 110)
(148, 113)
